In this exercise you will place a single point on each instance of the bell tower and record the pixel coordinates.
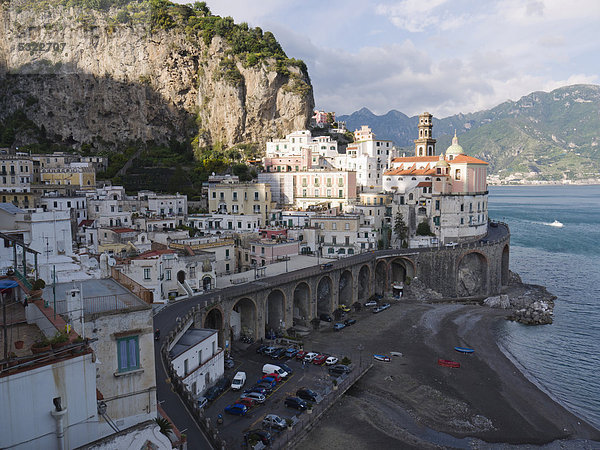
(425, 144)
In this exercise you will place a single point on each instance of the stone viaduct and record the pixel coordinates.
(478, 268)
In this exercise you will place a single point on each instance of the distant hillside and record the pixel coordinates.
(542, 136)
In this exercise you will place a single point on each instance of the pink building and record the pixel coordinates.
(268, 251)
(272, 233)
(291, 163)
(338, 188)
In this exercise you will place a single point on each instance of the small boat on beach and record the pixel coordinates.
(464, 349)
(448, 363)
(556, 224)
(383, 358)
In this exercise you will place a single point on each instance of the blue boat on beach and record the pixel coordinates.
(383, 358)
(464, 350)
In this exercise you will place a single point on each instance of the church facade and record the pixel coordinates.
(448, 191)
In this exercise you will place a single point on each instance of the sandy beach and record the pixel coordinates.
(412, 402)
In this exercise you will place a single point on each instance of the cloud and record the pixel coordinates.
(443, 56)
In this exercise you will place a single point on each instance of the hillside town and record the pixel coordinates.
(85, 265)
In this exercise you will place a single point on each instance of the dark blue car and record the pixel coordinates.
(237, 409)
(296, 403)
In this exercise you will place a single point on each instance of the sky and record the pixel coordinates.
(442, 56)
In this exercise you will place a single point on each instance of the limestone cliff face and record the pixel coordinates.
(87, 80)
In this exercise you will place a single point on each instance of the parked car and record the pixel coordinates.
(338, 326)
(291, 352)
(343, 308)
(287, 368)
(201, 402)
(325, 318)
(274, 421)
(257, 389)
(331, 361)
(256, 396)
(339, 369)
(320, 359)
(381, 308)
(260, 435)
(248, 402)
(310, 356)
(273, 375)
(237, 409)
(272, 368)
(262, 348)
(301, 354)
(296, 403)
(267, 381)
(494, 224)
(238, 381)
(267, 388)
(326, 266)
(278, 353)
(269, 350)
(212, 393)
(229, 363)
(307, 394)
(370, 303)
(349, 322)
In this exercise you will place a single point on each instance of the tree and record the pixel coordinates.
(400, 228)
(423, 229)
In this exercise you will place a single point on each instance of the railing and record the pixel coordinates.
(139, 290)
(23, 279)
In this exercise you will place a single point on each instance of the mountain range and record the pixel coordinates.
(544, 136)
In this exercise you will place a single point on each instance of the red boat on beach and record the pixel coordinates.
(448, 363)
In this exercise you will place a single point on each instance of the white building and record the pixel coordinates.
(224, 223)
(197, 358)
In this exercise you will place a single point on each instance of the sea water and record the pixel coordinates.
(564, 358)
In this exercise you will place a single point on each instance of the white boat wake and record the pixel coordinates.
(555, 224)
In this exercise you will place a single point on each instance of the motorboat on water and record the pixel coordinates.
(556, 224)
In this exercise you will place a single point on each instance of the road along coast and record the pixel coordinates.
(411, 401)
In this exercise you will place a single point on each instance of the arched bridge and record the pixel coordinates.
(278, 302)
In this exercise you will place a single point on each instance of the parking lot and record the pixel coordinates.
(315, 377)
(311, 376)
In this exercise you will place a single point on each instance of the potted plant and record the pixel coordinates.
(60, 340)
(19, 344)
(309, 407)
(289, 423)
(37, 289)
(78, 348)
(335, 385)
(41, 346)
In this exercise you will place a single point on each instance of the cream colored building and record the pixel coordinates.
(337, 236)
(241, 198)
(82, 175)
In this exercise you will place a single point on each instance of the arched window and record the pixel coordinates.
(342, 251)
(351, 251)
(410, 196)
(330, 250)
(457, 174)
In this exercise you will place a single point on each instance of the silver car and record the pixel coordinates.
(274, 421)
(257, 397)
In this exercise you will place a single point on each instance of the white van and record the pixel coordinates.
(272, 368)
(238, 381)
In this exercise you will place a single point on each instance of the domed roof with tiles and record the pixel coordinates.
(455, 148)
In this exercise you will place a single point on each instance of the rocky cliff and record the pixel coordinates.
(104, 78)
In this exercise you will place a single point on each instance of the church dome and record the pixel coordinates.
(442, 162)
(455, 148)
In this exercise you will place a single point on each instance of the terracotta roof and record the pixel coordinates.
(123, 230)
(413, 159)
(424, 184)
(467, 159)
(410, 171)
(86, 223)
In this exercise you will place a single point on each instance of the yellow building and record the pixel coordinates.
(17, 173)
(82, 175)
(241, 198)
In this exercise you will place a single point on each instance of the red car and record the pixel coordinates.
(275, 376)
(320, 359)
(247, 401)
(301, 354)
